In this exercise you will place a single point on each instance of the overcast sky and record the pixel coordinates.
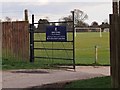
(97, 10)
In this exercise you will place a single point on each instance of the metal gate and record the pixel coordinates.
(55, 52)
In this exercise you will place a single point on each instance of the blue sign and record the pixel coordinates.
(56, 33)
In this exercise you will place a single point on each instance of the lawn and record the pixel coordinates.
(85, 48)
(84, 52)
(85, 43)
(97, 83)
(100, 82)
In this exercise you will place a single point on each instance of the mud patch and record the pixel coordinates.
(31, 71)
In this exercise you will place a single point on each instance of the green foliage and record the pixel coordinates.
(99, 82)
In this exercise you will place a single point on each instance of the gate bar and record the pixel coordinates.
(52, 49)
(56, 22)
(54, 58)
(50, 41)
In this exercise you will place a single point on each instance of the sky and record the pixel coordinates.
(53, 10)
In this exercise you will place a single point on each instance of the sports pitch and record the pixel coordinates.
(85, 43)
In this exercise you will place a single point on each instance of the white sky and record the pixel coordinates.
(56, 0)
(97, 10)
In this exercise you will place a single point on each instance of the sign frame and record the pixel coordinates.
(56, 33)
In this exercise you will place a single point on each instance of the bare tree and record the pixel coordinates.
(8, 19)
(42, 23)
(80, 16)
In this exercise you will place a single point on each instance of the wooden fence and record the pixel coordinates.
(15, 40)
(115, 45)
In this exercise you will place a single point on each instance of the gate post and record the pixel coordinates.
(73, 17)
(115, 45)
(32, 40)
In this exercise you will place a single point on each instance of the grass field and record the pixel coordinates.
(100, 82)
(84, 51)
(97, 83)
(84, 48)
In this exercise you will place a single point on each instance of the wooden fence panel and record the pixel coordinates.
(15, 40)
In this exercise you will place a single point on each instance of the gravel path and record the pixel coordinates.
(38, 77)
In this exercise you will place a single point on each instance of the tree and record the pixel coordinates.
(94, 24)
(80, 17)
(104, 25)
(81, 24)
(68, 25)
(8, 19)
(42, 23)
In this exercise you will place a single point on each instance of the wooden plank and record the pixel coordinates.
(115, 45)
(22, 42)
(112, 50)
(117, 51)
(18, 30)
(15, 48)
(17, 39)
(7, 37)
(2, 40)
(26, 41)
(5, 46)
(10, 38)
(12, 41)
(19, 43)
